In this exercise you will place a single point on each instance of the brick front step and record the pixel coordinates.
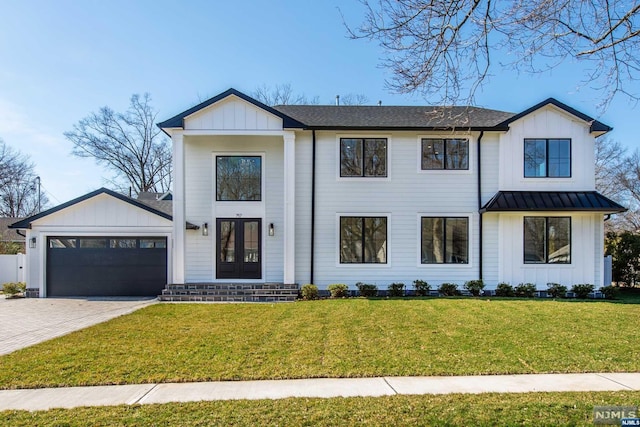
(230, 292)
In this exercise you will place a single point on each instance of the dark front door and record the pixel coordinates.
(239, 248)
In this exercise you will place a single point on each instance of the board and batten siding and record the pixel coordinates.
(201, 205)
(584, 266)
(232, 113)
(403, 197)
(548, 122)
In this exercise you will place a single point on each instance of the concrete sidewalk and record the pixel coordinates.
(43, 399)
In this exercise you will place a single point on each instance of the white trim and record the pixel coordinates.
(470, 241)
(179, 220)
(364, 135)
(233, 132)
(448, 172)
(363, 265)
(289, 207)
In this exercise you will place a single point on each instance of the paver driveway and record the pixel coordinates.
(28, 321)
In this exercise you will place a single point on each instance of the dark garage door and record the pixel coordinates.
(106, 266)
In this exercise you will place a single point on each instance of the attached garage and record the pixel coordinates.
(102, 244)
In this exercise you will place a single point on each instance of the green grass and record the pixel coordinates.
(538, 409)
(335, 338)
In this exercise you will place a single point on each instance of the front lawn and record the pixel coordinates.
(335, 338)
(534, 409)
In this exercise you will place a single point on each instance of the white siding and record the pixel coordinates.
(548, 122)
(491, 256)
(202, 207)
(233, 113)
(586, 253)
(490, 162)
(304, 151)
(406, 194)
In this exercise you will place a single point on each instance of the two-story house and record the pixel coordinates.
(379, 194)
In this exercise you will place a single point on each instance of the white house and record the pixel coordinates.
(380, 194)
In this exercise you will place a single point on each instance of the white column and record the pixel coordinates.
(289, 207)
(179, 221)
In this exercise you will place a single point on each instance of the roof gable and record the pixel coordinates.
(594, 125)
(26, 223)
(178, 121)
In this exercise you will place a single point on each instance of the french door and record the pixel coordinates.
(239, 248)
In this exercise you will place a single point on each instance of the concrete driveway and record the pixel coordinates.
(28, 321)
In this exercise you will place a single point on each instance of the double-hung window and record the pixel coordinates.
(363, 240)
(547, 240)
(547, 158)
(363, 157)
(445, 153)
(445, 240)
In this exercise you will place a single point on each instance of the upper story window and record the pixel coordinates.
(363, 240)
(238, 178)
(363, 157)
(547, 240)
(445, 153)
(547, 158)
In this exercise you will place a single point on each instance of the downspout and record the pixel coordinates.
(313, 200)
(480, 206)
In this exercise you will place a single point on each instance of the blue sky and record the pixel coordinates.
(62, 59)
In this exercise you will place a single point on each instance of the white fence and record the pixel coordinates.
(12, 268)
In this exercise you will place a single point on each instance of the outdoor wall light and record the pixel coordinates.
(205, 229)
(272, 230)
(32, 242)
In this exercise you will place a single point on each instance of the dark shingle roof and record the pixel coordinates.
(394, 117)
(586, 201)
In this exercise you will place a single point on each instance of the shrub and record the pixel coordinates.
(556, 290)
(504, 290)
(309, 292)
(422, 288)
(525, 290)
(448, 289)
(610, 292)
(367, 290)
(582, 291)
(396, 290)
(12, 289)
(338, 290)
(474, 286)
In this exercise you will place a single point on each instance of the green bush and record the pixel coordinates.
(11, 289)
(474, 286)
(422, 288)
(309, 292)
(610, 292)
(582, 291)
(556, 290)
(338, 290)
(396, 290)
(449, 289)
(525, 290)
(504, 290)
(366, 290)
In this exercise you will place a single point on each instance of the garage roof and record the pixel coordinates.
(26, 223)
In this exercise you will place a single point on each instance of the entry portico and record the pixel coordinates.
(234, 177)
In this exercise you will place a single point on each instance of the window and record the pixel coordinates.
(62, 243)
(363, 157)
(547, 240)
(547, 158)
(93, 243)
(153, 243)
(445, 154)
(238, 178)
(123, 243)
(363, 240)
(445, 240)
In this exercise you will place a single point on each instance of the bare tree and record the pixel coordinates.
(446, 48)
(19, 196)
(129, 144)
(609, 160)
(354, 99)
(281, 94)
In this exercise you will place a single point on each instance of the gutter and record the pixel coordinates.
(480, 252)
(313, 201)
